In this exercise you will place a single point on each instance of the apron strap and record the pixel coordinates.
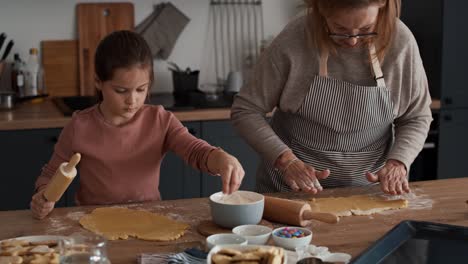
(378, 74)
(323, 69)
(376, 69)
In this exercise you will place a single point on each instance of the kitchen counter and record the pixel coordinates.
(351, 235)
(45, 114)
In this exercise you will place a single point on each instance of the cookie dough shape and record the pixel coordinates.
(119, 223)
(356, 205)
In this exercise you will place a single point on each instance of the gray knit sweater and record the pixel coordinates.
(283, 74)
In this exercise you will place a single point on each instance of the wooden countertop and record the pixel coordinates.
(44, 114)
(351, 235)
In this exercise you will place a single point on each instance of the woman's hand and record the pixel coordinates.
(228, 167)
(392, 178)
(300, 176)
(40, 207)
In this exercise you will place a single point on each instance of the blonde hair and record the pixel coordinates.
(318, 10)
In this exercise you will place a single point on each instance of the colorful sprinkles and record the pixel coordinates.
(289, 232)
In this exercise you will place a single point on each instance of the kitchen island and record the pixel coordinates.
(441, 201)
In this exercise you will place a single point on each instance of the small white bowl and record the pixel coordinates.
(224, 239)
(292, 243)
(255, 234)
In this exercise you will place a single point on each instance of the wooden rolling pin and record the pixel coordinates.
(294, 212)
(62, 178)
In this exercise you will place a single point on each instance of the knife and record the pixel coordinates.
(2, 39)
(7, 50)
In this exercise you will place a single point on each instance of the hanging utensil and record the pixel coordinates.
(237, 28)
(7, 50)
(262, 29)
(229, 34)
(249, 29)
(173, 66)
(2, 39)
(255, 25)
(223, 42)
(242, 20)
(236, 48)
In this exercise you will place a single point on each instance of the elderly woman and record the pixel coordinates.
(351, 100)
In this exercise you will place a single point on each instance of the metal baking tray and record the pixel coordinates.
(420, 243)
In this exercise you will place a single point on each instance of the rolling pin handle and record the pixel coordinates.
(323, 217)
(73, 162)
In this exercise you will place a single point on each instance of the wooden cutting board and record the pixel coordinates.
(60, 63)
(95, 21)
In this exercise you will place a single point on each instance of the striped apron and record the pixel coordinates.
(340, 126)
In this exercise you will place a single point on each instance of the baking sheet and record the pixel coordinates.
(419, 242)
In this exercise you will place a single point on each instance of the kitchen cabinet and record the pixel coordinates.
(222, 134)
(454, 92)
(442, 40)
(453, 143)
(179, 180)
(23, 154)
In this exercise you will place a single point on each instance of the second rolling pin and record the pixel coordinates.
(62, 178)
(294, 212)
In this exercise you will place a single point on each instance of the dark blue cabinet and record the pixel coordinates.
(453, 144)
(454, 92)
(177, 179)
(222, 134)
(438, 27)
(453, 129)
(23, 154)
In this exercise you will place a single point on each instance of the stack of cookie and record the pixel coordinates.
(17, 251)
(261, 255)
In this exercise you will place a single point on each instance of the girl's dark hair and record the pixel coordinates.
(121, 49)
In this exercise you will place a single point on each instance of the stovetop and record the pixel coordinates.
(171, 102)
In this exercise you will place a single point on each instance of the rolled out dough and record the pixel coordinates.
(120, 223)
(355, 205)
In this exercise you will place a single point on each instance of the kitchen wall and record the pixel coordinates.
(30, 21)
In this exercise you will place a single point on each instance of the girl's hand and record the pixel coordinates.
(40, 207)
(228, 167)
(392, 178)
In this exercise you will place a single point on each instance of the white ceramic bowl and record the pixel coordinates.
(292, 243)
(224, 239)
(255, 234)
(241, 248)
(239, 208)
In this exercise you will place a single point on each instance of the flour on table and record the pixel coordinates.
(56, 225)
(75, 215)
(415, 201)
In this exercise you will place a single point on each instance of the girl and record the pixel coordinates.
(122, 140)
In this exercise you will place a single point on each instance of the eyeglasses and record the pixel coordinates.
(357, 36)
